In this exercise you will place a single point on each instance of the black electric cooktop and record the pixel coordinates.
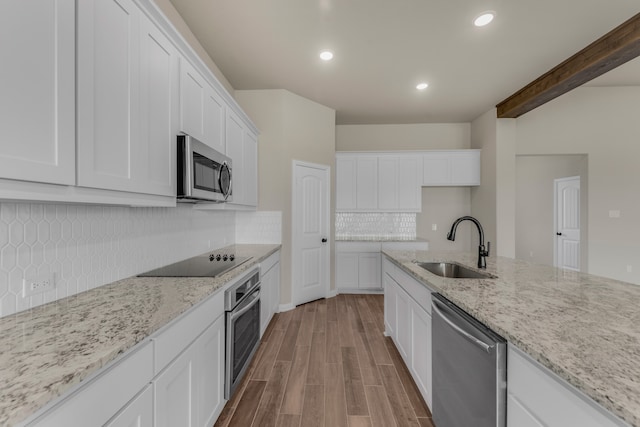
(211, 265)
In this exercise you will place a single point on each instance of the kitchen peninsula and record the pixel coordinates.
(583, 328)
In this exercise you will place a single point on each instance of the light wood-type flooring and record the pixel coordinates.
(327, 363)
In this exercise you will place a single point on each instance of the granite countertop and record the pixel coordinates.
(583, 327)
(48, 350)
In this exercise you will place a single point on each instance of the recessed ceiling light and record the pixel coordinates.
(422, 86)
(484, 18)
(326, 55)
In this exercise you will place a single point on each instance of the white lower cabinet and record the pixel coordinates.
(538, 397)
(269, 290)
(421, 350)
(175, 391)
(138, 413)
(407, 319)
(190, 391)
(105, 395)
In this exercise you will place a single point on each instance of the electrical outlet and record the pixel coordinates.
(531, 254)
(434, 227)
(38, 285)
(629, 269)
(614, 214)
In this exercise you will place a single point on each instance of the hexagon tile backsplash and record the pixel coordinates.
(84, 247)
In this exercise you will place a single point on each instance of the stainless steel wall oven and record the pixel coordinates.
(242, 311)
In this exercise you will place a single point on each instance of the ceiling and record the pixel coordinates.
(384, 48)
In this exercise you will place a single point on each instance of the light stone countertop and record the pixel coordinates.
(583, 327)
(48, 350)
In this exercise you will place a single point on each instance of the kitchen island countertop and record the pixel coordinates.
(48, 350)
(585, 328)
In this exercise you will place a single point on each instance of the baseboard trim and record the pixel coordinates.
(286, 307)
(359, 291)
(332, 293)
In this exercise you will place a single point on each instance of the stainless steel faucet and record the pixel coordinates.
(482, 252)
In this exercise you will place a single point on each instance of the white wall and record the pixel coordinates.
(440, 205)
(174, 17)
(602, 123)
(535, 175)
(90, 246)
(291, 127)
(493, 202)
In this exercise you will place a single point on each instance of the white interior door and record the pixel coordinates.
(567, 250)
(310, 259)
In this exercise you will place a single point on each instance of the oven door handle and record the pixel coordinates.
(247, 304)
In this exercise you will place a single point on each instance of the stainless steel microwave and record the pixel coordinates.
(204, 175)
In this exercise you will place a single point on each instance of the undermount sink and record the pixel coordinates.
(452, 270)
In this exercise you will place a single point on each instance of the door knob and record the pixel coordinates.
(324, 240)
(558, 234)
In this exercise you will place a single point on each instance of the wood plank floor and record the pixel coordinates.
(327, 363)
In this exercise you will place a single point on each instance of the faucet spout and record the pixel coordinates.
(482, 251)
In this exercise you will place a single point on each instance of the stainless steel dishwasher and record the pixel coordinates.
(469, 369)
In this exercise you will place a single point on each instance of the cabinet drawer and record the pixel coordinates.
(268, 263)
(549, 398)
(102, 397)
(357, 246)
(417, 290)
(176, 336)
(405, 246)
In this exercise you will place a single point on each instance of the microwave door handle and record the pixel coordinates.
(226, 191)
(253, 300)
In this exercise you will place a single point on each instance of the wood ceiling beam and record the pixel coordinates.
(611, 50)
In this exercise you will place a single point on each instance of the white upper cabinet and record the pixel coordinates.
(127, 92)
(202, 110)
(346, 168)
(378, 182)
(37, 83)
(451, 168)
(159, 112)
(242, 147)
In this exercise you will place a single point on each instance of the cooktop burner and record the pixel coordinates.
(210, 265)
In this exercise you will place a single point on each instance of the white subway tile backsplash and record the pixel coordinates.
(375, 226)
(89, 246)
(263, 227)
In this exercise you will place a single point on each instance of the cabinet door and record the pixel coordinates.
(388, 184)
(250, 164)
(175, 391)
(367, 183)
(138, 413)
(403, 324)
(265, 300)
(37, 83)
(108, 93)
(369, 268)
(409, 191)
(436, 169)
(155, 150)
(390, 306)
(346, 176)
(235, 136)
(209, 373)
(465, 168)
(214, 117)
(193, 93)
(275, 289)
(421, 350)
(346, 270)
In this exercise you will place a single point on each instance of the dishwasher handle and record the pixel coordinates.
(486, 347)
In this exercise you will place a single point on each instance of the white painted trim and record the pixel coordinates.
(332, 293)
(327, 171)
(286, 307)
